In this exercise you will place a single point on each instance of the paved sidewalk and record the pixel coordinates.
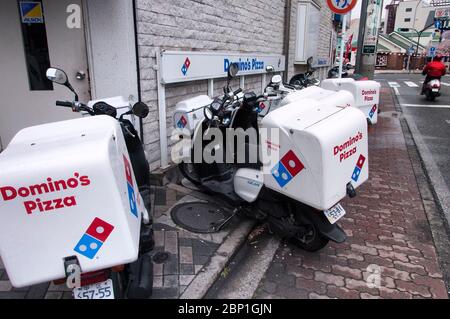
(389, 252)
(190, 259)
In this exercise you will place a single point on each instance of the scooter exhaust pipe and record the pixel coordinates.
(141, 278)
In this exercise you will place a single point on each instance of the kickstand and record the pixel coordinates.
(217, 226)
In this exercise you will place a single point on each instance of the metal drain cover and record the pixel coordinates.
(199, 217)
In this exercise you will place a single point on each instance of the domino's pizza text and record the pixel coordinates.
(34, 205)
(348, 148)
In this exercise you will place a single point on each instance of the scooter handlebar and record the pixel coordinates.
(64, 103)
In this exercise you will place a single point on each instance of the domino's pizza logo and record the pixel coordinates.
(373, 110)
(261, 107)
(94, 238)
(287, 168)
(182, 122)
(185, 67)
(131, 193)
(358, 168)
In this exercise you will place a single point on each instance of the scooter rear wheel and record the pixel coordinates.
(311, 240)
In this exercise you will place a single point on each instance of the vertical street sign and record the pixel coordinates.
(341, 7)
(367, 42)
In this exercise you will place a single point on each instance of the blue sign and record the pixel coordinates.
(31, 12)
(437, 24)
(432, 51)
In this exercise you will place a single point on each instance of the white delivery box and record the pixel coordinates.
(366, 94)
(189, 112)
(318, 94)
(67, 189)
(321, 147)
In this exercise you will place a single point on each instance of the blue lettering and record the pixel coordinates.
(226, 65)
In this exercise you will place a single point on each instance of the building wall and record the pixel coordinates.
(323, 34)
(253, 26)
(420, 17)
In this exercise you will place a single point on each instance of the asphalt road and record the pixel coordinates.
(430, 126)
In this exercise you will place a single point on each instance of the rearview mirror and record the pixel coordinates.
(57, 76)
(233, 70)
(276, 79)
(270, 69)
(140, 109)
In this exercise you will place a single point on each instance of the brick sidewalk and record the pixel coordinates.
(388, 233)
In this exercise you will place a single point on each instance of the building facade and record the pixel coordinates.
(114, 51)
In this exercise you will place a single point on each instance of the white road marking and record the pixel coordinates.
(426, 105)
(445, 84)
(394, 84)
(448, 121)
(411, 84)
(396, 91)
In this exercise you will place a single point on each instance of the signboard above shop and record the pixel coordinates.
(182, 66)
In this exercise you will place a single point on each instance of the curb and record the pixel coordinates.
(437, 218)
(211, 271)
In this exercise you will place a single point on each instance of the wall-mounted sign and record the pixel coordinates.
(372, 22)
(31, 12)
(341, 6)
(181, 66)
(442, 13)
(369, 49)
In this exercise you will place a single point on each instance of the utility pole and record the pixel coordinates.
(361, 31)
(368, 37)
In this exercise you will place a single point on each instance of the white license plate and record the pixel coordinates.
(434, 90)
(334, 213)
(102, 290)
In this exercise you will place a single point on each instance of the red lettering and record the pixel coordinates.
(12, 193)
(85, 181)
(30, 206)
(336, 150)
(58, 203)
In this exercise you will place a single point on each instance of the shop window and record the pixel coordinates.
(308, 23)
(31, 14)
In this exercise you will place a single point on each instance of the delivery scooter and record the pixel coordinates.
(432, 90)
(84, 217)
(318, 155)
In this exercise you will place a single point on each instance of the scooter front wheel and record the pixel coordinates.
(311, 239)
(188, 171)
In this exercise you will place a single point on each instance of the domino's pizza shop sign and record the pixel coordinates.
(180, 66)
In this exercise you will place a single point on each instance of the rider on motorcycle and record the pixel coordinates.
(433, 70)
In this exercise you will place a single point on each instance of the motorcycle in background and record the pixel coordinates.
(303, 80)
(334, 73)
(432, 90)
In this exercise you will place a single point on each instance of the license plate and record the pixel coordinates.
(102, 290)
(434, 90)
(335, 213)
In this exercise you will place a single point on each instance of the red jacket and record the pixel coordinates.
(434, 68)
